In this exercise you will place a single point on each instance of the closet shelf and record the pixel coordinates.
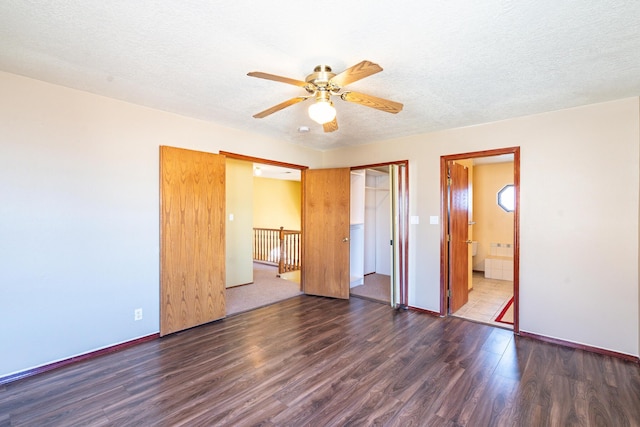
(376, 188)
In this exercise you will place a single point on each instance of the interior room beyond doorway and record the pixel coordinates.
(491, 241)
(370, 230)
(262, 199)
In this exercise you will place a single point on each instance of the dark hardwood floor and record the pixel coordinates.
(316, 361)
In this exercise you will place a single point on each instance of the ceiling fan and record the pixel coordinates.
(322, 84)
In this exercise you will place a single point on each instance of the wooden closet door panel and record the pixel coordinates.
(192, 238)
(325, 228)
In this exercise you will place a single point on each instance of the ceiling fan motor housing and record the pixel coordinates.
(319, 79)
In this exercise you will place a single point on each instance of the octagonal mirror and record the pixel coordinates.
(506, 198)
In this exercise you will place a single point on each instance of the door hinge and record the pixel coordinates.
(448, 181)
(449, 293)
(448, 238)
(391, 242)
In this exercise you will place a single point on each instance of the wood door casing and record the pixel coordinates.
(325, 226)
(192, 238)
(459, 229)
(444, 214)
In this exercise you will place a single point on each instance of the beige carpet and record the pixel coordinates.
(266, 289)
(376, 287)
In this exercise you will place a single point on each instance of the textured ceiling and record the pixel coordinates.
(451, 63)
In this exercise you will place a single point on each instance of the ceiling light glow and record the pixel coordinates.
(322, 111)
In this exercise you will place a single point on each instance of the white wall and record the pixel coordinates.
(377, 251)
(578, 223)
(79, 208)
(79, 240)
(239, 222)
(357, 228)
(383, 225)
(370, 225)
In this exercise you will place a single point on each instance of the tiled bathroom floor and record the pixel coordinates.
(486, 300)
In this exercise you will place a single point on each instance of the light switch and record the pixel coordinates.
(230, 217)
(415, 219)
(434, 219)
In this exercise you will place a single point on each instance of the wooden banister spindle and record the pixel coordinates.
(282, 252)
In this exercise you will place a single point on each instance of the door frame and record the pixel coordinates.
(237, 156)
(403, 244)
(444, 230)
(403, 205)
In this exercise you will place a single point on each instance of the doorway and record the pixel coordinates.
(393, 175)
(459, 281)
(325, 219)
(263, 197)
(379, 235)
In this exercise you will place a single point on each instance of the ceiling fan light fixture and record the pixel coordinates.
(322, 111)
(322, 84)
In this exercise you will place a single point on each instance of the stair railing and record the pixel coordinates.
(277, 247)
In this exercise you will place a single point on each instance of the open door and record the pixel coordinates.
(458, 231)
(399, 232)
(447, 248)
(192, 238)
(325, 231)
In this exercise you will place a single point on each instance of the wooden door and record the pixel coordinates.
(458, 231)
(192, 233)
(325, 231)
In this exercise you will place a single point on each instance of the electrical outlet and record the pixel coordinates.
(137, 314)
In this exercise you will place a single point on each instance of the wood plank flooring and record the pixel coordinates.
(323, 362)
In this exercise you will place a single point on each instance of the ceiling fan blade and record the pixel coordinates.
(280, 106)
(331, 126)
(373, 102)
(355, 73)
(273, 77)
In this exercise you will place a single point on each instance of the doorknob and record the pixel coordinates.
(346, 239)
(468, 241)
